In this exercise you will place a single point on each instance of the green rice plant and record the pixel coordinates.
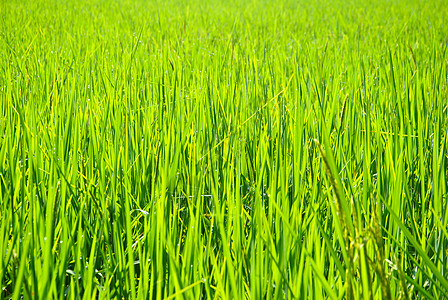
(223, 149)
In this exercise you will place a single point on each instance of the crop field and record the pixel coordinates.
(223, 149)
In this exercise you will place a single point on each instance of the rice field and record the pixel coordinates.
(223, 149)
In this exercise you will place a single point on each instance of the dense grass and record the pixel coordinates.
(223, 149)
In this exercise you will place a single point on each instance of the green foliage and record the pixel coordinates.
(223, 149)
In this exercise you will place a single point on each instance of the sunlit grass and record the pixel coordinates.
(223, 149)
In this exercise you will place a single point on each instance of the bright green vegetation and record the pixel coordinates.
(223, 149)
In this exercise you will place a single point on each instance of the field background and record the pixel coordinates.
(223, 149)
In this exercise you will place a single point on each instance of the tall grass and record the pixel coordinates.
(223, 149)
